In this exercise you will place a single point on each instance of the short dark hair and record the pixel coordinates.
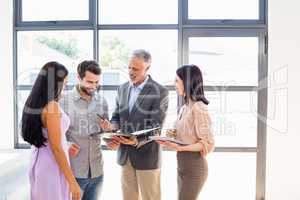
(88, 65)
(191, 76)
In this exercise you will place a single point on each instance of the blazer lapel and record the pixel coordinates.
(126, 101)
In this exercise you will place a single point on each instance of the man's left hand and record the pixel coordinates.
(127, 141)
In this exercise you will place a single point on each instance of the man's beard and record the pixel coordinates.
(84, 90)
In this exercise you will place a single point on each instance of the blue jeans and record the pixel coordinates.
(91, 187)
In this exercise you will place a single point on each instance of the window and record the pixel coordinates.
(35, 48)
(223, 9)
(138, 12)
(225, 38)
(55, 10)
(236, 171)
(116, 45)
(21, 96)
(234, 117)
(235, 57)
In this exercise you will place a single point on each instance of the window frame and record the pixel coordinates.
(261, 90)
(186, 28)
(226, 22)
(53, 23)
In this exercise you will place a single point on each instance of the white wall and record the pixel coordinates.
(6, 76)
(283, 145)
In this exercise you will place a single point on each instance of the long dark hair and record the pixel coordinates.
(191, 76)
(47, 87)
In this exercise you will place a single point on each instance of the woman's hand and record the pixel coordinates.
(171, 133)
(197, 147)
(203, 150)
(75, 190)
(171, 145)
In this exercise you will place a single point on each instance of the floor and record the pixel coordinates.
(231, 176)
(14, 176)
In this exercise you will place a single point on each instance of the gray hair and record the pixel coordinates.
(142, 54)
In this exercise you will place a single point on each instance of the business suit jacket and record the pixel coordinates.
(149, 111)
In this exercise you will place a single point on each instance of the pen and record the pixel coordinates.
(101, 117)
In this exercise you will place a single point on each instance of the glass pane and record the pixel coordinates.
(232, 175)
(110, 96)
(226, 60)
(234, 117)
(172, 111)
(55, 10)
(22, 97)
(223, 9)
(117, 45)
(138, 12)
(35, 48)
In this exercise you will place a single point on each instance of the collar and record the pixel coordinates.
(76, 95)
(140, 86)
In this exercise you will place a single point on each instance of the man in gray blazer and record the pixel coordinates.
(141, 103)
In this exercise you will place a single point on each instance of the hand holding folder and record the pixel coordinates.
(124, 137)
(167, 139)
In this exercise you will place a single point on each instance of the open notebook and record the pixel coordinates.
(145, 132)
(169, 139)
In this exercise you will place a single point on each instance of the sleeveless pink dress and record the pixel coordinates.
(47, 181)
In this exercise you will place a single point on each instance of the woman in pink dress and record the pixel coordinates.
(44, 125)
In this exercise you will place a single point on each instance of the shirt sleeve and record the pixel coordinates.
(203, 126)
